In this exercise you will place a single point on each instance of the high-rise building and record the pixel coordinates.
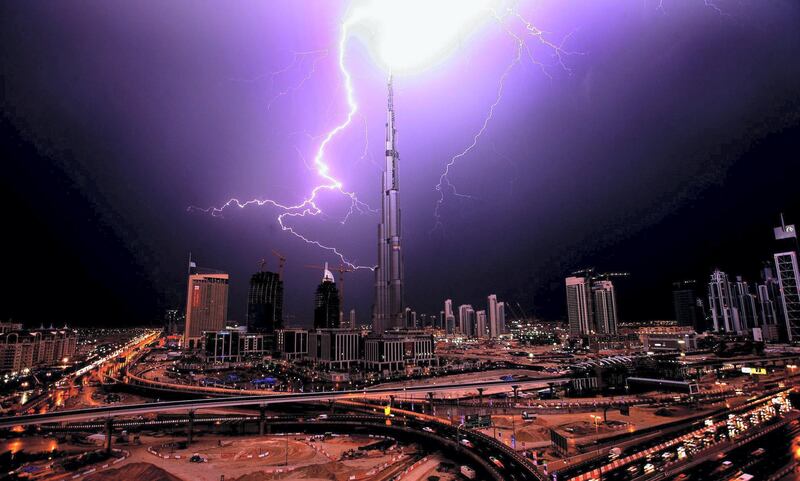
(466, 320)
(501, 318)
(745, 303)
(605, 307)
(480, 323)
(389, 272)
(206, 304)
(410, 318)
(265, 302)
(491, 313)
(723, 313)
(449, 317)
(684, 302)
(579, 306)
(770, 303)
(352, 324)
(326, 303)
(789, 282)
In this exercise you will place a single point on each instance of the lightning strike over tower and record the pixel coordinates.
(388, 309)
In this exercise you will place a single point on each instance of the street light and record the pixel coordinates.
(596, 419)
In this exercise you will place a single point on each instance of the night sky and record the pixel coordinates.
(666, 147)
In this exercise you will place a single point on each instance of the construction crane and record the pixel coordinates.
(341, 269)
(590, 272)
(281, 262)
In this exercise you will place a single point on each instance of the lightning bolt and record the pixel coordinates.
(309, 205)
(445, 185)
(316, 55)
(707, 3)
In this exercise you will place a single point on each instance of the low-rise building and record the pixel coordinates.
(398, 351)
(678, 338)
(234, 345)
(21, 348)
(291, 343)
(335, 349)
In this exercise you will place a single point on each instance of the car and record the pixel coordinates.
(496, 462)
(632, 469)
(428, 429)
(196, 458)
(466, 442)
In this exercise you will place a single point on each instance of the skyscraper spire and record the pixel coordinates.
(388, 308)
(391, 102)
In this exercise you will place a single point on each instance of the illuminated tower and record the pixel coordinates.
(605, 307)
(579, 306)
(326, 303)
(206, 304)
(388, 311)
(265, 302)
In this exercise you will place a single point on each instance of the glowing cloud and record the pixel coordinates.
(410, 35)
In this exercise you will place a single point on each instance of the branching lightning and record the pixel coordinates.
(309, 205)
(707, 3)
(558, 51)
(316, 56)
(519, 29)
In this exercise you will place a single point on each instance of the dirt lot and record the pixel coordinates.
(582, 425)
(264, 458)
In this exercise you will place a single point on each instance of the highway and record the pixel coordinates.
(655, 457)
(234, 401)
(778, 450)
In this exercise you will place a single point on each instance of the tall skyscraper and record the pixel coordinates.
(466, 320)
(501, 318)
(326, 303)
(389, 273)
(788, 279)
(352, 324)
(605, 307)
(491, 313)
(770, 301)
(410, 318)
(206, 304)
(723, 312)
(265, 302)
(745, 303)
(449, 317)
(480, 324)
(684, 302)
(579, 306)
(789, 282)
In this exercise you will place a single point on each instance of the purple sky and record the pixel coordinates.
(150, 107)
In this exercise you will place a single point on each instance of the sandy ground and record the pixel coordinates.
(430, 468)
(263, 458)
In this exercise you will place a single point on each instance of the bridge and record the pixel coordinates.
(74, 415)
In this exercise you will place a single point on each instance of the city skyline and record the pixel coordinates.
(719, 201)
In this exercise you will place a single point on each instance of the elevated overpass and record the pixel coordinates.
(74, 415)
